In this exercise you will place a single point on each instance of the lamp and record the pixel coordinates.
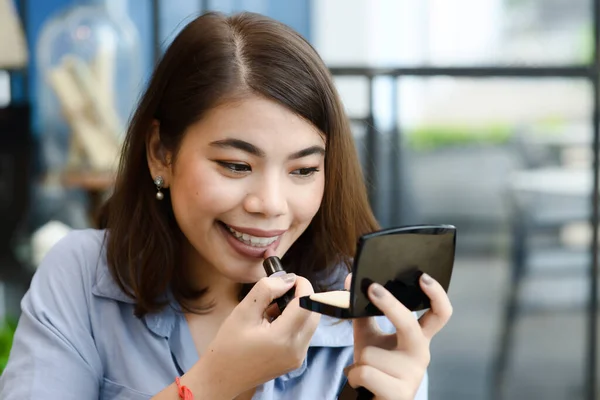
(13, 46)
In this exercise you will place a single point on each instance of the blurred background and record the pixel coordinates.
(477, 113)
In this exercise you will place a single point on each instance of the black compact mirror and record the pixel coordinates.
(395, 258)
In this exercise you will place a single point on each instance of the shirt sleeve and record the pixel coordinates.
(53, 354)
(423, 392)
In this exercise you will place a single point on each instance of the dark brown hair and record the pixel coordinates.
(216, 59)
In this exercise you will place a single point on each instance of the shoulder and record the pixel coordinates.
(79, 246)
(332, 277)
(54, 338)
(78, 237)
(75, 269)
(78, 264)
(73, 260)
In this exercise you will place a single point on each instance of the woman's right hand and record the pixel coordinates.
(249, 350)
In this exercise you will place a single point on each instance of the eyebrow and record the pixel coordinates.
(255, 151)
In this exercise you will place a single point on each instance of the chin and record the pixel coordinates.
(243, 272)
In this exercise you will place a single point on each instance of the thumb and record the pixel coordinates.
(265, 291)
(364, 328)
(348, 281)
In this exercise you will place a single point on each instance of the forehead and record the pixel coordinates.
(259, 121)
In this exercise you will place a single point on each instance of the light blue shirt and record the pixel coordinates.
(78, 339)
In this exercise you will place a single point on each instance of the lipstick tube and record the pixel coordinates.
(273, 267)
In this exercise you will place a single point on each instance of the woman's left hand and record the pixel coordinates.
(392, 366)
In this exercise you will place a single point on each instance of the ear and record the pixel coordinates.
(159, 159)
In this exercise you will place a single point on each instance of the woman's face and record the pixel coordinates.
(247, 177)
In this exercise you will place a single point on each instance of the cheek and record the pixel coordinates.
(305, 200)
(200, 191)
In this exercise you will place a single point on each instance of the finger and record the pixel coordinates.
(295, 318)
(394, 363)
(303, 287)
(365, 329)
(348, 281)
(407, 327)
(264, 292)
(382, 385)
(272, 312)
(441, 308)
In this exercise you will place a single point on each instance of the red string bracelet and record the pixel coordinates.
(184, 392)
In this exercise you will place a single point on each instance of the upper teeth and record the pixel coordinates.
(253, 240)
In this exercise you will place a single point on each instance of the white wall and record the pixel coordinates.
(438, 32)
(369, 33)
(4, 88)
(464, 31)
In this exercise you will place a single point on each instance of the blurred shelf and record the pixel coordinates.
(554, 181)
(90, 181)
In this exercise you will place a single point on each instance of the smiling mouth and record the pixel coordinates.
(250, 240)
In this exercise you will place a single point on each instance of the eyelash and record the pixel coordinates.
(307, 171)
(238, 168)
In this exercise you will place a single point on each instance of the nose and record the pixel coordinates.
(267, 197)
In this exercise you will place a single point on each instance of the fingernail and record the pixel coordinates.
(289, 278)
(377, 290)
(428, 280)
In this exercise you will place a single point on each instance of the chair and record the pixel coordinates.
(543, 199)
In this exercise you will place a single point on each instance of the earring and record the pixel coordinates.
(159, 182)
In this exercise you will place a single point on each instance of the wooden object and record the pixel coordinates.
(13, 47)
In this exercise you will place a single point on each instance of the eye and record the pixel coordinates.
(237, 168)
(305, 172)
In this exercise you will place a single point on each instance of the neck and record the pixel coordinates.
(222, 292)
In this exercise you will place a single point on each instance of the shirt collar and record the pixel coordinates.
(160, 323)
(105, 286)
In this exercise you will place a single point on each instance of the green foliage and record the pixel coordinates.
(7, 332)
(432, 137)
(585, 43)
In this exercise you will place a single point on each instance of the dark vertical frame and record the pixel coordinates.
(156, 31)
(22, 7)
(203, 5)
(19, 78)
(592, 353)
(371, 142)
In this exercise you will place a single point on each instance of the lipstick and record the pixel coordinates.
(273, 267)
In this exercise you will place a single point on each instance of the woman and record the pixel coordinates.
(239, 145)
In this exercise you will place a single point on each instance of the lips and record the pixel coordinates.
(251, 245)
